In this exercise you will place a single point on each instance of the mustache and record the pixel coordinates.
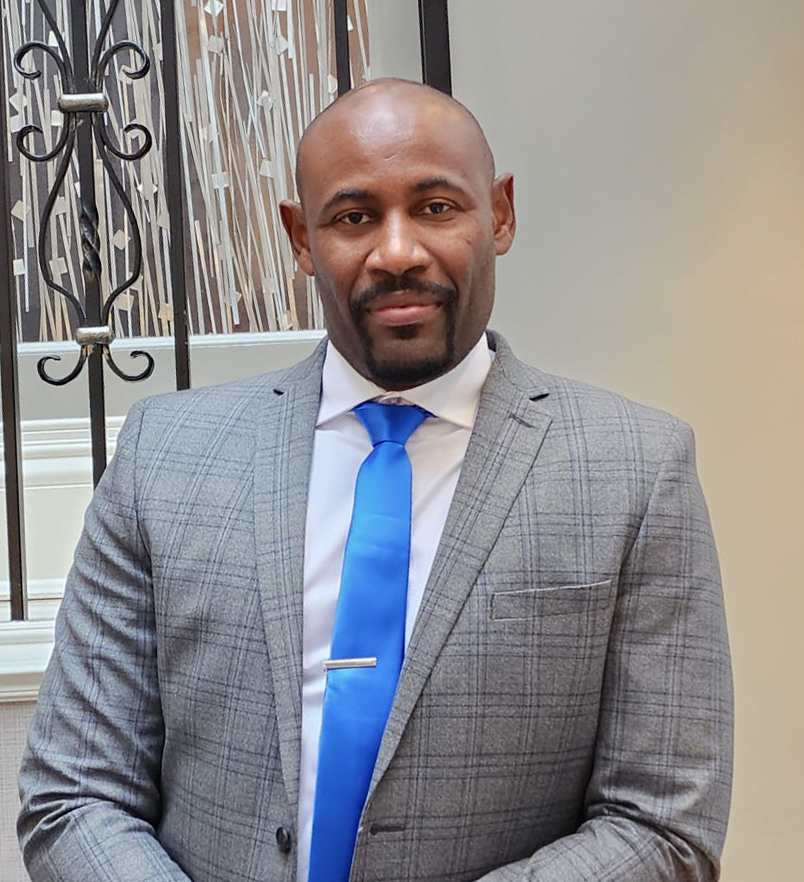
(363, 299)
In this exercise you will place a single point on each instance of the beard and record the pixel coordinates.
(398, 373)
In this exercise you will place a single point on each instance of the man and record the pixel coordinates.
(563, 711)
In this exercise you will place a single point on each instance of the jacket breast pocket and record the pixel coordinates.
(553, 603)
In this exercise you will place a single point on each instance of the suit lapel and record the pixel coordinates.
(506, 439)
(284, 445)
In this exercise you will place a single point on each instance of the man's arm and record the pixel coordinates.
(89, 781)
(658, 797)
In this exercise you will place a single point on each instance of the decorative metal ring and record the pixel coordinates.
(102, 335)
(83, 102)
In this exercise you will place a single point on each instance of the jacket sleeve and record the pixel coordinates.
(658, 797)
(89, 782)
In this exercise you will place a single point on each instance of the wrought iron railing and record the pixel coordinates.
(82, 68)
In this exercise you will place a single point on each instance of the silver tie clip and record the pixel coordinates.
(336, 664)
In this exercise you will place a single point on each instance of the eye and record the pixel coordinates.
(353, 218)
(437, 208)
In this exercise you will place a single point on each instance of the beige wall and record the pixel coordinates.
(659, 154)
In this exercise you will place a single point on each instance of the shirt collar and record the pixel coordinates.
(453, 396)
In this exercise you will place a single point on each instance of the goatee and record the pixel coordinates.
(406, 374)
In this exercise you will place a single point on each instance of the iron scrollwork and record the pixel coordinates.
(92, 105)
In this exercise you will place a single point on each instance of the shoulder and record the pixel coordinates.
(194, 419)
(194, 407)
(599, 421)
(576, 403)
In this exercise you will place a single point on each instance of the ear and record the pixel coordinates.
(293, 221)
(502, 206)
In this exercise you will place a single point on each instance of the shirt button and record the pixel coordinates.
(284, 840)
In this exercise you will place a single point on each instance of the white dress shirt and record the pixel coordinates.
(341, 443)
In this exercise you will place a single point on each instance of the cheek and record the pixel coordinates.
(337, 268)
(468, 258)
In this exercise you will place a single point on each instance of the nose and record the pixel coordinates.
(398, 248)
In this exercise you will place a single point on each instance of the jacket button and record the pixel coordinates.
(284, 840)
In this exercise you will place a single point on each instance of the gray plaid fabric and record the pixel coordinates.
(564, 711)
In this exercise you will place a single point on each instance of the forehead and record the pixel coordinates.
(377, 144)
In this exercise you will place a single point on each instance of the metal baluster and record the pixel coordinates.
(341, 13)
(174, 177)
(90, 241)
(12, 447)
(434, 33)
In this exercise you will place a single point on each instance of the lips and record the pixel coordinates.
(404, 308)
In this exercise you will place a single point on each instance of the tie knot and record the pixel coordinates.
(390, 422)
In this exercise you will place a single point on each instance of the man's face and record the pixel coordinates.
(401, 223)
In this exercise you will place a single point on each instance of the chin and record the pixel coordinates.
(409, 355)
(395, 371)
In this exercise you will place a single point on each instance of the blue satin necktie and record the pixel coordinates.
(369, 624)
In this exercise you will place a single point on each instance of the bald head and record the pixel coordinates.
(391, 101)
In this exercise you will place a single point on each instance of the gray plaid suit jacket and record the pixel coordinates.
(564, 711)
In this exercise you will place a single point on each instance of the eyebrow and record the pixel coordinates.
(351, 194)
(435, 183)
